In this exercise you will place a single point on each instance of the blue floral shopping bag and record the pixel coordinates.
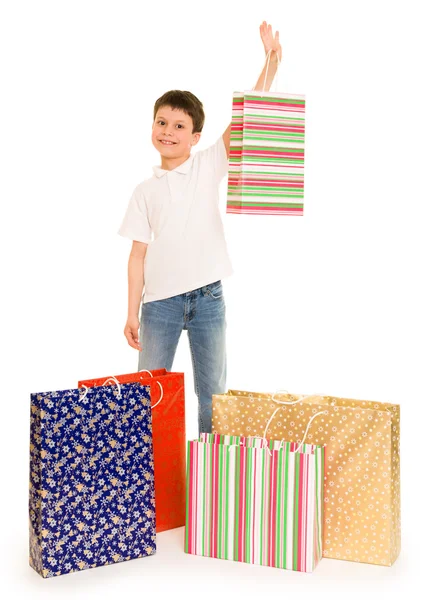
(91, 499)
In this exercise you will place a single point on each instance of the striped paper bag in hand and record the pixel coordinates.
(256, 504)
(266, 161)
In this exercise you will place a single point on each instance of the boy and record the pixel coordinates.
(183, 266)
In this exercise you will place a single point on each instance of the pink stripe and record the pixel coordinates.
(253, 534)
(196, 483)
(216, 499)
(259, 212)
(273, 128)
(261, 164)
(212, 505)
(274, 104)
(241, 521)
(247, 178)
(300, 524)
(307, 499)
(207, 503)
(304, 506)
(265, 209)
(270, 183)
(190, 500)
(272, 537)
(275, 154)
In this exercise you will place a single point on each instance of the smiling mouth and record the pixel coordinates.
(167, 143)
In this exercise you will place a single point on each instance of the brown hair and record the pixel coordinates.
(186, 102)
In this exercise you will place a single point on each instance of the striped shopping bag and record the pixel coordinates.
(254, 503)
(266, 160)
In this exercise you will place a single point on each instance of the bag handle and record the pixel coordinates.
(267, 61)
(161, 387)
(115, 380)
(301, 399)
(112, 378)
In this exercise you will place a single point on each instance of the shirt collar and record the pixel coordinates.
(184, 168)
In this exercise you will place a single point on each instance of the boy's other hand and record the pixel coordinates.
(270, 41)
(131, 331)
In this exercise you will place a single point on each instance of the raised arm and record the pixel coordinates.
(271, 43)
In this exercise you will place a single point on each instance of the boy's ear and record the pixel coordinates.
(195, 138)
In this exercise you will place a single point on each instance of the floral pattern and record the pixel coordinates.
(92, 499)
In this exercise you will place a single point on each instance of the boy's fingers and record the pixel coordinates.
(136, 339)
(132, 340)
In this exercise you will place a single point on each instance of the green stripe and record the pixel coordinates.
(237, 500)
(262, 509)
(226, 502)
(262, 204)
(210, 503)
(273, 134)
(286, 467)
(260, 187)
(253, 195)
(268, 506)
(275, 159)
(280, 161)
(249, 502)
(268, 99)
(278, 522)
(273, 174)
(317, 507)
(258, 148)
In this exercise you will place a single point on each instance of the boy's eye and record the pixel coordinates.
(179, 125)
(161, 122)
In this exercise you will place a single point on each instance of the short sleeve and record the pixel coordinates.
(216, 156)
(135, 225)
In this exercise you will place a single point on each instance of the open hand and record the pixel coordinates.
(270, 41)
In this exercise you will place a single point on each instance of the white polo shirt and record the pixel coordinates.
(177, 213)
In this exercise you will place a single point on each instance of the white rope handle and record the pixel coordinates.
(115, 380)
(267, 61)
(85, 392)
(322, 412)
(161, 397)
(280, 407)
(161, 387)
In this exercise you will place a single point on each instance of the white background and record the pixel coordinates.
(331, 302)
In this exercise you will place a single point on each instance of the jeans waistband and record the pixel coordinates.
(201, 290)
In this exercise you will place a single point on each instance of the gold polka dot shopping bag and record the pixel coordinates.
(362, 517)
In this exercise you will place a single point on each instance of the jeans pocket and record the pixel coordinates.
(216, 291)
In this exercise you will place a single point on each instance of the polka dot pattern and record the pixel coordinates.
(362, 480)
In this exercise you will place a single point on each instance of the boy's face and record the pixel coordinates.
(172, 132)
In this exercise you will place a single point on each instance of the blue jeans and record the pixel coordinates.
(201, 312)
